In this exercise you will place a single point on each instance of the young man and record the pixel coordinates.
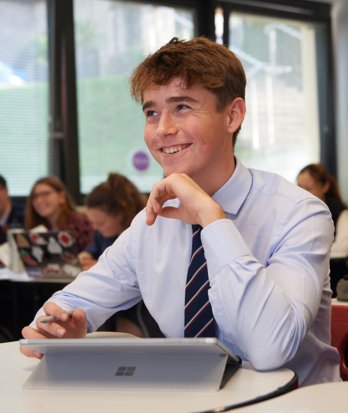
(266, 241)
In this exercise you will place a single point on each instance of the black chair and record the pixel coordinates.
(6, 335)
(338, 269)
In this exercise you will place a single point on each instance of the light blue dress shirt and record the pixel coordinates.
(268, 266)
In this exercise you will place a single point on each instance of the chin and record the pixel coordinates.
(175, 170)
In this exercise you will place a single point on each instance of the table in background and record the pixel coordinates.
(21, 297)
(244, 385)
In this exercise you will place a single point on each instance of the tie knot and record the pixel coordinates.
(196, 227)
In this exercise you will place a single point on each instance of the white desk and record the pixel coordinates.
(16, 368)
(319, 398)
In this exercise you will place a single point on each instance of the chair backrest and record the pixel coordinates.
(338, 269)
(339, 335)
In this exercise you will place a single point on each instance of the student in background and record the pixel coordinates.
(11, 215)
(110, 207)
(50, 204)
(316, 179)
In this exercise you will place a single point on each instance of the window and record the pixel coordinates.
(111, 38)
(281, 131)
(285, 51)
(23, 93)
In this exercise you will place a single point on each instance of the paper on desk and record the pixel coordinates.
(39, 228)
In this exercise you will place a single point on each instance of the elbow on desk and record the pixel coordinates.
(268, 356)
(268, 360)
(265, 364)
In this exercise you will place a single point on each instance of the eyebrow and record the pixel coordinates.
(173, 99)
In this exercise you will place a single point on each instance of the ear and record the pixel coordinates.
(235, 114)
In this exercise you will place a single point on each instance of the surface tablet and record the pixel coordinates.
(192, 364)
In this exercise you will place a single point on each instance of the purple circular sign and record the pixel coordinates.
(141, 160)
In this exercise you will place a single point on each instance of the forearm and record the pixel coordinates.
(270, 303)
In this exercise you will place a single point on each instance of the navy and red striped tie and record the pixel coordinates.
(199, 320)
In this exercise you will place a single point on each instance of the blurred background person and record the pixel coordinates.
(316, 179)
(110, 207)
(50, 204)
(11, 215)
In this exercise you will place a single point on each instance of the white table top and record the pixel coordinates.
(15, 369)
(319, 398)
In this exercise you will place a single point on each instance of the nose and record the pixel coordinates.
(166, 125)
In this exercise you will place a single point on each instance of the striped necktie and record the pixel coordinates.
(199, 320)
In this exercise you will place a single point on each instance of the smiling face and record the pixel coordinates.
(186, 134)
(47, 202)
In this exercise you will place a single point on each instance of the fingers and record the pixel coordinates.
(151, 215)
(57, 323)
(61, 323)
(31, 333)
(86, 259)
(86, 265)
(54, 310)
(196, 206)
(161, 192)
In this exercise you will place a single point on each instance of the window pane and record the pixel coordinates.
(280, 132)
(23, 93)
(112, 37)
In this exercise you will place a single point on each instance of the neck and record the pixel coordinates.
(215, 180)
(53, 221)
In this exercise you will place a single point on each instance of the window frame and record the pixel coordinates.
(306, 11)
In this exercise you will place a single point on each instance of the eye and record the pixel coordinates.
(150, 113)
(182, 106)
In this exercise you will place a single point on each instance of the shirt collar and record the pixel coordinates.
(238, 185)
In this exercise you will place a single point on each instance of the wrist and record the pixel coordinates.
(213, 214)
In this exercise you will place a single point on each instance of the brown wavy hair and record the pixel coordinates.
(33, 219)
(197, 61)
(117, 196)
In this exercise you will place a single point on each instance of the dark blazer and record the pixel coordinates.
(14, 220)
